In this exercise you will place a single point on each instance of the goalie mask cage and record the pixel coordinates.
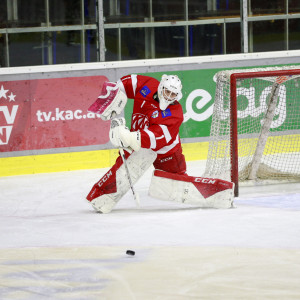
(255, 131)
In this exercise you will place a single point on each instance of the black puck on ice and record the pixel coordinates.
(130, 252)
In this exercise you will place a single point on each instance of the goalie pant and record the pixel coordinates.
(203, 192)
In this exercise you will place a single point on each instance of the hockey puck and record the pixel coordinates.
(130, 252)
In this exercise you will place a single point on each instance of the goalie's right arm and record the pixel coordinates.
(121, 137)
(110, 103)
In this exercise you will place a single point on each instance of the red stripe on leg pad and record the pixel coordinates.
(206, 186)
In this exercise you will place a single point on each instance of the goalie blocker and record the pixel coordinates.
(199, 191)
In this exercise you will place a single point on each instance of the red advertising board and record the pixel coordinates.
(50, 113)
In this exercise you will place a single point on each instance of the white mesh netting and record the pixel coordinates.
(268, 140)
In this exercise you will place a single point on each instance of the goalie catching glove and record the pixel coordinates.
(121, 137)
(110, 102)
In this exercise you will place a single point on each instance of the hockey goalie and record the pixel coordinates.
(152, 140)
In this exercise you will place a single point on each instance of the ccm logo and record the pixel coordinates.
(105, 178)
(166, 159)
(205, 180)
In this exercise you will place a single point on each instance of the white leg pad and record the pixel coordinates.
(104, 203)
(138, 162)
(199, 191)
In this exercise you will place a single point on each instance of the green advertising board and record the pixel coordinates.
(197, 101)
(198, 98)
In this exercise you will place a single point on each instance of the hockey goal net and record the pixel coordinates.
(255, 131)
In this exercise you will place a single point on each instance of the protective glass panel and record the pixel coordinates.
(71, 12)
(66, 47)
(169, 41)
(258, 7)
(91, 46)
(26, 13)
(89, 12)
(133, 43)
(199, 9)
(4, 20)
(65, 12)
(26, 49)
(294, 6)
(168, 10)
(205, 39)
(233, 38)
(126, 11)
(268, 36)
(111, 44)
(2, 51)
(294, 34)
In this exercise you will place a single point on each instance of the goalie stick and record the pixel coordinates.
(135, 195)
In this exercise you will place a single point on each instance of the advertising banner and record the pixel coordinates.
(50, 113)
(199, 88)
(197, 101)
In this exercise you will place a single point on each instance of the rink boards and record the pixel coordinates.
(71, 161)
(45, 126)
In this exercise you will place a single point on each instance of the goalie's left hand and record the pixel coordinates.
(120, 136)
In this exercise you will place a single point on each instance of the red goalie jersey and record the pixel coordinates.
(159, 129)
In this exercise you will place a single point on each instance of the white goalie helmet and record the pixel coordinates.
(169, 90)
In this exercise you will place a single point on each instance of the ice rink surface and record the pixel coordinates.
(53, 245)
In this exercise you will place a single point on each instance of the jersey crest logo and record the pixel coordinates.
(145, 91)
(139, 121)
(166, 113)
(154, 114)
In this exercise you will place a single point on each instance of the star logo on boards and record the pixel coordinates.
(3, 92)
(8, 115)
(11, 97)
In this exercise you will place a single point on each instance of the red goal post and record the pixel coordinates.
(255, 131)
